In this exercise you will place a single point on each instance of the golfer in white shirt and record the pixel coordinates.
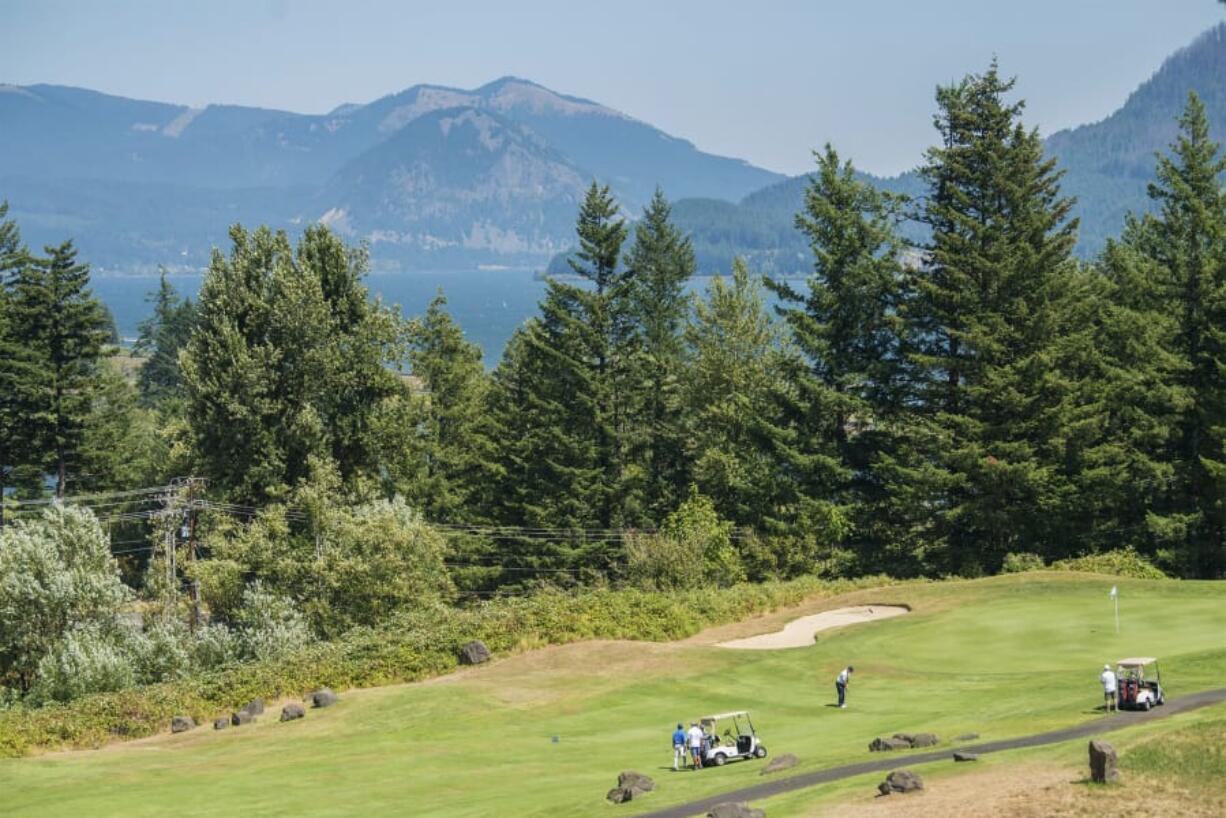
(1109, 690)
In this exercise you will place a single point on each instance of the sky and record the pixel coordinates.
(761, 80)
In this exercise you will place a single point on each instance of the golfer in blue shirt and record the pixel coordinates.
(678, 746)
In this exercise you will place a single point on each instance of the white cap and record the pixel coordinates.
(1106, 667)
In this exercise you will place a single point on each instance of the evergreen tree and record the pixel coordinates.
(1187, 240)
(847, 392)
(161, 337)
(18, 373)
(451, 444)
(985, 320)
(737, 361)
(54, 315)
(660, 261)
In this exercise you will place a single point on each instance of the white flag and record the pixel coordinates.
(1114, 593)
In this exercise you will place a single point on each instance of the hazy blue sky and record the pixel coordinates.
(763, 80)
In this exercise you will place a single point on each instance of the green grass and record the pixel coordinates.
(1002, 657)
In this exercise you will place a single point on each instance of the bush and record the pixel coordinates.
(56, 574)
(1125, 562)
(413, 645)
(1024, 561)
(85, 661)
(693, 549)
(269, 625)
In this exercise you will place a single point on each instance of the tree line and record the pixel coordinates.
(918, 408)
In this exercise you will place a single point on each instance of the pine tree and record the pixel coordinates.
(18, 371)
(161, 337)
(660, 262)
(54, 315)
(985, 320)
(1187, 240)
(451, 445)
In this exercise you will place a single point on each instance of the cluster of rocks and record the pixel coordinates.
(735, 809)
(902, 741)
(630, 785)
(900, 781)
(324, 697)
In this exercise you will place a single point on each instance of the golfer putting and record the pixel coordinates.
(841, 682)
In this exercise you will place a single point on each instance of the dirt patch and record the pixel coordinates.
(1032, 791)
(799, 632)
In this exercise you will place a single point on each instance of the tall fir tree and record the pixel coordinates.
(55, 316)
(451, 444)
(847, 390)
(1186, 239)
(19, 372)
(985, 320)
(162, 336)
(660, 261)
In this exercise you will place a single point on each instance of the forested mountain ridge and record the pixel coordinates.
(1107, 166)
(112, 167)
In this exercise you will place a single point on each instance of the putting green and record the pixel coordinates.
(1002, 657)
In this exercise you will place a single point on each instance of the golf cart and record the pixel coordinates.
(738, 741)
(1136, 692)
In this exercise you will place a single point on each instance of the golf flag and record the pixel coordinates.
(1114, 592)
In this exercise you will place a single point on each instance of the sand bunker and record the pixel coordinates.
(799, 632)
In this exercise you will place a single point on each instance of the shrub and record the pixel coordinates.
(693, 548)
(269, 625)
(85, 661)
(1124, 562)
(1024, 561)
(56, 575)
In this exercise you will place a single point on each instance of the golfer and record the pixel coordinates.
(1109, 690)
(695, 736)
(841, 682)
(678, 746)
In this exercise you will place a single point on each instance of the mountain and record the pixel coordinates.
(391, 171)
(1107, 166)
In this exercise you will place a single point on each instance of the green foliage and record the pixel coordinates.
(86, 660)
(410, 646)
(1124, 562)
(693, 549)
(1019, 563)
(288, 362)
(58, 580)
(163, 335)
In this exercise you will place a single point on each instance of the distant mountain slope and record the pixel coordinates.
(1107, 167)
(378, 169)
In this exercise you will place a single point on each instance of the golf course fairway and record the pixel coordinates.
(1002, 657)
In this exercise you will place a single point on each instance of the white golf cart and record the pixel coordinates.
(1136, 690)
(738, 741)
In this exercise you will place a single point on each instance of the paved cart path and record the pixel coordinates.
(903, 758)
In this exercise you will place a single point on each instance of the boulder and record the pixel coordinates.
(885, 745)
(241, 717)
(965, 757)
(255, 707)
(735, 809)
(630, 780)
(292, 711)
(619, 796)
(783, 762)
(1103, 763)
(474, 653)
(324, 697)
(181, 724)
(967, 737)
(924, 740)
(221, 723)
(900, 781)
(907, 737)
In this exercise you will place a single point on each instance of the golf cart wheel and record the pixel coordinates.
(759, 751)
(719, 759)
(1145, 705)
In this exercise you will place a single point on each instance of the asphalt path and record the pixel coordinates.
(903, 758)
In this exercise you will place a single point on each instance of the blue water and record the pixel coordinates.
(487, 304)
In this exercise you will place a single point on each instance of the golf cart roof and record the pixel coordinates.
(1137, 662)
(719, 716)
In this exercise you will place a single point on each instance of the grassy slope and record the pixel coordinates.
(1004, 656)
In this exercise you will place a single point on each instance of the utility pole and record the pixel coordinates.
(192, 506)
